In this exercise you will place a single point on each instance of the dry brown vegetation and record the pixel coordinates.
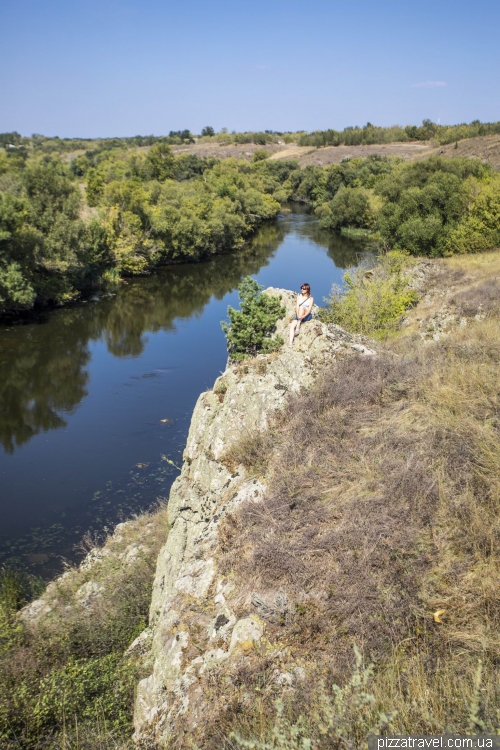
(486, 148)
(381, 527)
(226, 150)
(320, 157)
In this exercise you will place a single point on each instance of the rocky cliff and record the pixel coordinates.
(198, 618)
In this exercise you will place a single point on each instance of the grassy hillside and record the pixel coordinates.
(381, 523)
(486, 148)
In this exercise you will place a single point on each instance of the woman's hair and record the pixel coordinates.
(308, 288)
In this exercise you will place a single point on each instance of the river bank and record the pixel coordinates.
(92, 396)
(277, 559)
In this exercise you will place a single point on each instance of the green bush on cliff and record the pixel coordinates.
(86, 688)
(372, 302)
(249, 330)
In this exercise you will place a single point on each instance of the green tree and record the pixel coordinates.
(479, 228)
(7, 139)
(349, 208)
(208, 131)
(425, 201)
(161, 162)
(181, 136)
(249, 331)
(95, 186)
(16, 293)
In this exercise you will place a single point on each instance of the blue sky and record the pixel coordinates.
(124, 67)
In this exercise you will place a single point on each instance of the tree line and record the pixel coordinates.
(350, 136)
(371, 134)
(69, 226)
(434, 207)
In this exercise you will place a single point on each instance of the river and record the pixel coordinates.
(96, 398)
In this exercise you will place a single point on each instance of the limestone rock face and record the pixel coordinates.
(198, 619)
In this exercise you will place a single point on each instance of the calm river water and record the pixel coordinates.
(96, 399)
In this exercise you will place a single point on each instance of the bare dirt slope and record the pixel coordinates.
(225, 151)
(305, 155)
(320, 157)
(486, 148)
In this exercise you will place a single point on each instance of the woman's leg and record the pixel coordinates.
(294, 330)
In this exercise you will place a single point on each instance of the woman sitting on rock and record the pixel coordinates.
(303, 311)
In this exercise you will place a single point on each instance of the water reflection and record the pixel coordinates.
(42, 377)
(43, 373)
(342, 250)
(179, 292)
(112, 384)
(42, 367)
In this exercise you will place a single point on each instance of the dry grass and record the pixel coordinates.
(477, 266)
(485, 147)
(383, 508)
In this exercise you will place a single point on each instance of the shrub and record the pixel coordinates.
(346, 712)
(250, 328)
(16, 589)
(66, 675)
(479, 229)
(372, 302)
(84, 688)
(260, 155)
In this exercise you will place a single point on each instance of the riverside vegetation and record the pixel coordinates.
(383, 534)
(66, 680)
(142, 209)
(73, 224)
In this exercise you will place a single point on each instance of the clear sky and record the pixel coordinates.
(126, 67)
